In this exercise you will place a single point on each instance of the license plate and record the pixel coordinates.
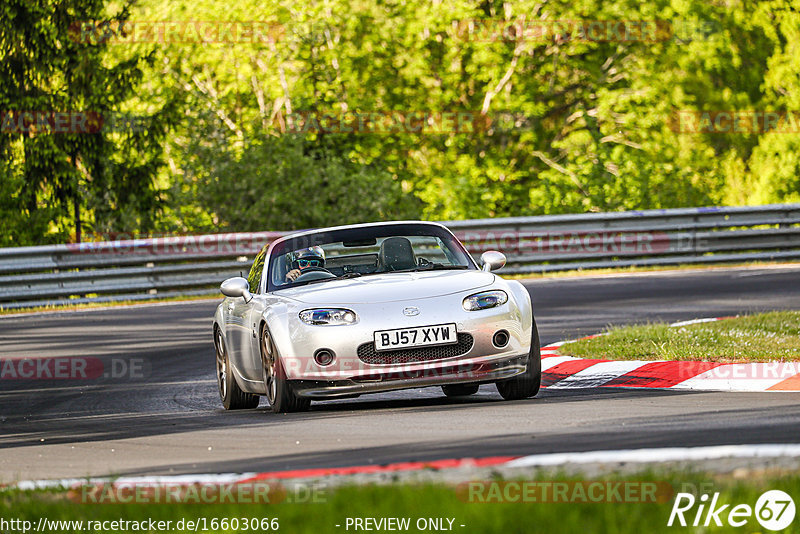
(421, 336)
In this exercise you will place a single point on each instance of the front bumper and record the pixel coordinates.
(300, 342)
(473, 371)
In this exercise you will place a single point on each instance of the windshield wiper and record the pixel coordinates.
(345, 276)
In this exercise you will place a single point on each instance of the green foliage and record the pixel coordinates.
(54, 182)
(596, 116)
(592, 120)
(286, 183)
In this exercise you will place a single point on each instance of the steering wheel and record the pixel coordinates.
(317, 273)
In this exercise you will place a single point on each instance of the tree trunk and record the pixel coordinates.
(77, 205)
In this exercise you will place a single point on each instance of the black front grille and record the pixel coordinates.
(368, 354)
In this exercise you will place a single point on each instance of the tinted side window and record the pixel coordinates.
(254, 278)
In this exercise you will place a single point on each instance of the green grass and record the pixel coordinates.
(771, 336)
(431, 500)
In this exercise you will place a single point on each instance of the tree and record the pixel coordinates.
(83, 172)
(565, 122)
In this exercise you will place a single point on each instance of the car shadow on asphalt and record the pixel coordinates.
(98, 418)
(693, 430)
(486, 395)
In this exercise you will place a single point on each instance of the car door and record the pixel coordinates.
(243, 325)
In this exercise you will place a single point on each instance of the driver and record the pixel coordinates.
(305, 258)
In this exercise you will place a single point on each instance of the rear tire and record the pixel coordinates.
(280, 393)
(526, 384)
(460, 390)
(233, 398)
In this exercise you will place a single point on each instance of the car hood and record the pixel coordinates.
(389, 287)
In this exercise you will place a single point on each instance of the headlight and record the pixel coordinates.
(485, 300)
(329, 316)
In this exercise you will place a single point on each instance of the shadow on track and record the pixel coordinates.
(110, 412)
(640, 433)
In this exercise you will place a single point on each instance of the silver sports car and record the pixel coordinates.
(344, 311)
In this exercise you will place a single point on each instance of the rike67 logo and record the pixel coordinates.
(774, 510)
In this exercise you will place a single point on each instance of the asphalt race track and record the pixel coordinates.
(167, 418)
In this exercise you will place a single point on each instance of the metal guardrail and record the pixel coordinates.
(140, 269)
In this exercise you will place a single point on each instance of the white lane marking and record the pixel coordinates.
(695, 321)
(598, 374)
(759, 268)
(547, 363)
(548, 350)
(669, 454)
(222, 478)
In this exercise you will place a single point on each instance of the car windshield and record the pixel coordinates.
(353, 252)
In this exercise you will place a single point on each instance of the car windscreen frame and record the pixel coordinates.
(352, 234)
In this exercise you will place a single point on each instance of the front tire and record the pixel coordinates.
(233, 398)
(526, 384)
(280, 394)
(460, 390)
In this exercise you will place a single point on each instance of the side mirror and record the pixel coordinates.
(236, 287)
(491, 260)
